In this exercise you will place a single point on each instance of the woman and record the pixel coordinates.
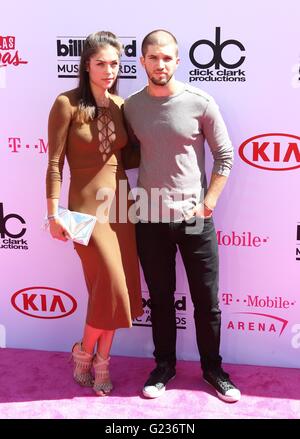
(86, 126)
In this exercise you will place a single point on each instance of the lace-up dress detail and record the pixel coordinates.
(106, 127)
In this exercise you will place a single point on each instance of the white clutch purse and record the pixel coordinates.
(79, 225)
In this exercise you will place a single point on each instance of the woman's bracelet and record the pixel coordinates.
(52, 217)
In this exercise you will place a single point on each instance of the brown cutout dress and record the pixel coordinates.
(93, 151)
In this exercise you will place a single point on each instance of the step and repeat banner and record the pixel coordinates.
(245, 55)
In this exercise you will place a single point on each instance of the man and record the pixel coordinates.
(171, 121)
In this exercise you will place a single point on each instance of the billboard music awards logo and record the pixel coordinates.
(69, 50)
(9, 56)
(219, 60)
(272, 152)
(264, 316)
(180, 309)
(12, 231)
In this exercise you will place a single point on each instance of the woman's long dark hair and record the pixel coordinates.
(87, 107)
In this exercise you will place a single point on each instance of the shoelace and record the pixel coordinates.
(222, 378)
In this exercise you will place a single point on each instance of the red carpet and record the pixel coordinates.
(39, 385)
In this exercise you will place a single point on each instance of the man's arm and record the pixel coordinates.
(131, 151)
(215, 132)
(216, 186)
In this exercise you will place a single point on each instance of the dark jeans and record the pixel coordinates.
(157, 247)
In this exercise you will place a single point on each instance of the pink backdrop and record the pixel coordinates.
(246, 56)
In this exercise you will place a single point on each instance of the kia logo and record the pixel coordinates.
(44, 302)
(273, 151)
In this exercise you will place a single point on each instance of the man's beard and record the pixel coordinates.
(160, 82)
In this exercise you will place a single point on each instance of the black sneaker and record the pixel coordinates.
(156, 383)
(222, 384)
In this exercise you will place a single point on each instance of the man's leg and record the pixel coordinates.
(157, 254)
(200, 256)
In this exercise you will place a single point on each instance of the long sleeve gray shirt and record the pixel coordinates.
(171, 132)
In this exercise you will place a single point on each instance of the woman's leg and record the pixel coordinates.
(83, 353)
(102, 384)
(90, 337)
(104, 343)
(83, 358)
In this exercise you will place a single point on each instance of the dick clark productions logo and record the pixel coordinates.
(217, 60)
(12, 231)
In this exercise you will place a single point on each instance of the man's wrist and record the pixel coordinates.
(207, 207)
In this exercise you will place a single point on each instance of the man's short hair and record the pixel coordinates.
(156, 37)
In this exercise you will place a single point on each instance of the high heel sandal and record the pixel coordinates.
(82, 366)
(102, 384)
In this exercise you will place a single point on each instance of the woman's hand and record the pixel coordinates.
(58, 231)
